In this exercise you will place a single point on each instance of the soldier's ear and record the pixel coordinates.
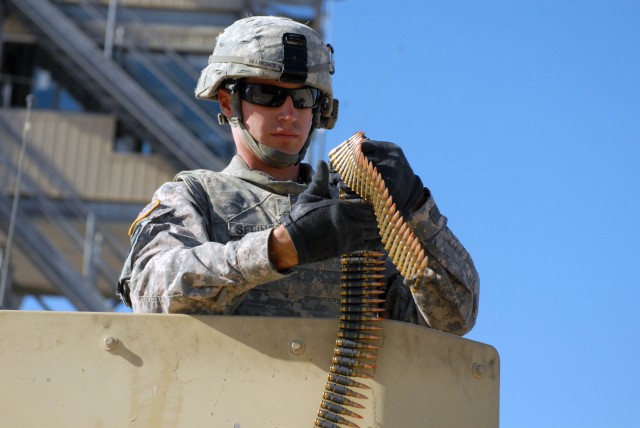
(224, 98)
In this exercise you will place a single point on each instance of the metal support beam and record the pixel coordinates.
(6, 259)
(92, 244)
(110, 79)
(110, 28)
(52, 263)
(51, 210)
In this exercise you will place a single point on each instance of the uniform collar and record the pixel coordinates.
(239, 168)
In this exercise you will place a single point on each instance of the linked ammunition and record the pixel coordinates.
(324, 424)
(361, 300)
(353, 353)
(361, 259)
(369, 253)
(354, 345)
(362, 280)
(339, 399)
(360, 291)
(352, 362)
(343, 390)
(358, 317)
(332, 417)
(360, 283)
(338, 409)
(359, 309)
(357, 326)
(357, 335)
(360, 276)
(347, 371)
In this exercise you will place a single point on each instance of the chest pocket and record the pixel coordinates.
(259, 216)
(237, 207)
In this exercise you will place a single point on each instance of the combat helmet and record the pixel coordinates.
(276, 48)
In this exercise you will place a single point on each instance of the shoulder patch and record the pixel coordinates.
(144, 213)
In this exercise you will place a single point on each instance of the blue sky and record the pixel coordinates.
(523, 117)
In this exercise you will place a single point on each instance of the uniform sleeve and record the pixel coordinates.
(174, 267)
(448, 303)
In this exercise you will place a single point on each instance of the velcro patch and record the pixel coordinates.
(144, 213)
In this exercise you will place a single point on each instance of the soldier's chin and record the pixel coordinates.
(288, 145)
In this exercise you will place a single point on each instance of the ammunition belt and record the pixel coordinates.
(362, 284)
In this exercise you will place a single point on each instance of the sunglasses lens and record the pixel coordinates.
(274, 96)
(304, 97)
(263, 95)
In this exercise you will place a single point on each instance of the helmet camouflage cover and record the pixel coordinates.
(276, 48)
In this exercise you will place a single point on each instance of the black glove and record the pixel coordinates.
(322, 228)
(404, 186)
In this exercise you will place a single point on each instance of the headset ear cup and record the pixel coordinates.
(329, 117)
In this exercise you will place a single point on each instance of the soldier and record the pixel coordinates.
(264, 236)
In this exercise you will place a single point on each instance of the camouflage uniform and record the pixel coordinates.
(204, 249)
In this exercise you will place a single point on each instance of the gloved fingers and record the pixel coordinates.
(404, 186)
(380, 148)
(342, 186)
(368, 147)
(336, 180)
(388, 158)
(334, 176)
(319, 187)
(320, 179)
(346, 193)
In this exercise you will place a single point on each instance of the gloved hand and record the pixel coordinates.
(404, 186)
(322, 228)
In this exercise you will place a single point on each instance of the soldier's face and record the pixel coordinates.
(284, 128)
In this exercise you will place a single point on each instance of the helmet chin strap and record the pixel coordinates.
(272, 157)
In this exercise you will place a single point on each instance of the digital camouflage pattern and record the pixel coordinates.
(253, 47)
(204, 250)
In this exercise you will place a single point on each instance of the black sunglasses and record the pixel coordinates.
(275, 96)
